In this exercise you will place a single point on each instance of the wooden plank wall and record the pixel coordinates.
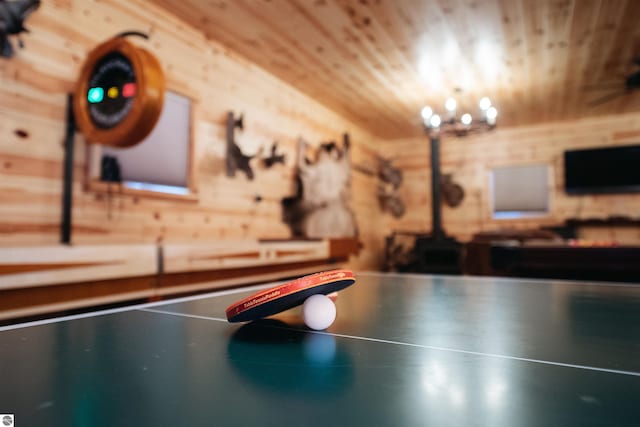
(33, 90)
(470, 160)
(35, 280)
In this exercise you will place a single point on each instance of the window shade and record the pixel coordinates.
(521, 189)
(163, 157)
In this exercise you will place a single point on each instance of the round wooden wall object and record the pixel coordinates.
(119, 95)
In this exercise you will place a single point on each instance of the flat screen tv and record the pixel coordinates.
(602, 170)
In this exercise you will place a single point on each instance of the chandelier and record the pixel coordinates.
(461, 125)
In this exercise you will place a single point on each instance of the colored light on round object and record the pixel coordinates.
(113, 92)
(95, 95)
(129, 90)
(111, 72)
(119, 95)
(319, 312)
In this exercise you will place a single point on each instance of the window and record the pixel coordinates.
(161, 162)
(520, 191)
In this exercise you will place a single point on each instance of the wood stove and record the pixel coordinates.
(435, 252)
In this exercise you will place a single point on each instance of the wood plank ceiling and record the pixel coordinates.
(377, 62)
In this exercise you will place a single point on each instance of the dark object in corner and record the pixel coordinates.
(110, 170)
(12, 17)
(613, 89)
(235, 158)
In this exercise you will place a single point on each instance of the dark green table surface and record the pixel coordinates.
(405, 350)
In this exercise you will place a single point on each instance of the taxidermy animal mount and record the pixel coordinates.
(274, 157)
(320, 209)
(390, 180)
(452, 193)
(390, 202)
(388, 196)
(388, 174)
(236, 159)
(12, 16)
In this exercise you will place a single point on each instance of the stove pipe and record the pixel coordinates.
(437, 232)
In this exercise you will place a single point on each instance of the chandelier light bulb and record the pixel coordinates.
(492, 113)
(466, 119)
(435, 121)
(426, 113)
(450, 105)
(485, 104)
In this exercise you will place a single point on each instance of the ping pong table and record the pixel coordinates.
(405, 350)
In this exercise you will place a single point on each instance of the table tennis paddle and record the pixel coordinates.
(288, 295)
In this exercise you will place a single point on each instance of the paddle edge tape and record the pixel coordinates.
(241, 310)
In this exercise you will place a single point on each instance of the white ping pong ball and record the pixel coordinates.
(319, 312)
